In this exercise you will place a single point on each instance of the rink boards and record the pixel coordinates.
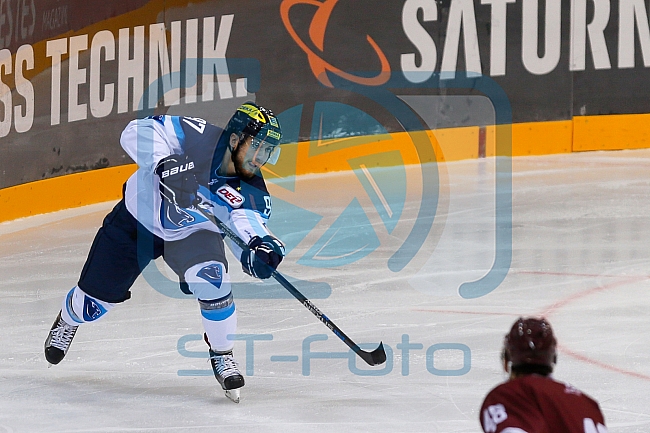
(74, 74)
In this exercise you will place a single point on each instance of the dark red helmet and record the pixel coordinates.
(530, 342)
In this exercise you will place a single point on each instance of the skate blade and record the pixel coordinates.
(233, 394)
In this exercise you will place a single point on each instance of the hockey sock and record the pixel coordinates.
(79, 307)
(219, 320)
(210, 284)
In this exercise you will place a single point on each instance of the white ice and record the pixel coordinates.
(580, 256)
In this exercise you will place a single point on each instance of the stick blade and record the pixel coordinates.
(376, 357)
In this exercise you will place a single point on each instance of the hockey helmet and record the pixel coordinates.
(259, 123)
(530, 342)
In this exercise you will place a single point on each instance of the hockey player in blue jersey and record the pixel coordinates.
(184, 163)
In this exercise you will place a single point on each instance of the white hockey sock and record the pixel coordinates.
(79, 307)
(210, 284)
(218, 330)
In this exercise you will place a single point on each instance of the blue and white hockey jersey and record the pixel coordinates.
(244, 206)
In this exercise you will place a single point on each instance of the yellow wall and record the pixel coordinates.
(621, 131)
(63, 192)
(584, 133)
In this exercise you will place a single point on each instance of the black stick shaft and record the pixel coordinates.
(376, 357)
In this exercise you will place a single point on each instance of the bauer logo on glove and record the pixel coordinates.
(263, 257)
(178, 184)
(175, 170)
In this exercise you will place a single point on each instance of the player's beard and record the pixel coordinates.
(241, 163)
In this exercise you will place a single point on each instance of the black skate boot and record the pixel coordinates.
(226, 371)
(59, 339)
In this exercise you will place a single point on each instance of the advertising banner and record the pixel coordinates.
(72, 74)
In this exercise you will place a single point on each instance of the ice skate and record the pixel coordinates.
(227, 373)
(59, 339)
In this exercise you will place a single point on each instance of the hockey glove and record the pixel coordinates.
(264, 256)
(178, 184)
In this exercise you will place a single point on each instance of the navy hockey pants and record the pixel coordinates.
(122, 248)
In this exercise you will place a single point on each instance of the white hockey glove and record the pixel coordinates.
(264, 256)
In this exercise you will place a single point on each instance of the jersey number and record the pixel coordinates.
(592, 427)
(492, 416)
(496, 414)
(195, 122)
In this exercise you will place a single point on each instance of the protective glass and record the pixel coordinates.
(264, 151)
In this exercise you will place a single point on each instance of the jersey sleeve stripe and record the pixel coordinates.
(175, 131)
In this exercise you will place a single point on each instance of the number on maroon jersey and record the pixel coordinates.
(492, 416)
(592, 427)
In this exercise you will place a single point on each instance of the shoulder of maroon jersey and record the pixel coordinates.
(523, 384)
(533, 384)
(572, 390)
(549, 382)
(512, 400)
(503, 389)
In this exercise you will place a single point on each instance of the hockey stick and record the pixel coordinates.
(376, 357)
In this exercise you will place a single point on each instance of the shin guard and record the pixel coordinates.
(210, 284)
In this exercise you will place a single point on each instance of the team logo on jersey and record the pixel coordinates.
(230, 196)
(212, 274)
(174, 217)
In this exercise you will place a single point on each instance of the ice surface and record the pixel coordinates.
(580, 256)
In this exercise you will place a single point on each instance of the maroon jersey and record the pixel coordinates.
(537, 404)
